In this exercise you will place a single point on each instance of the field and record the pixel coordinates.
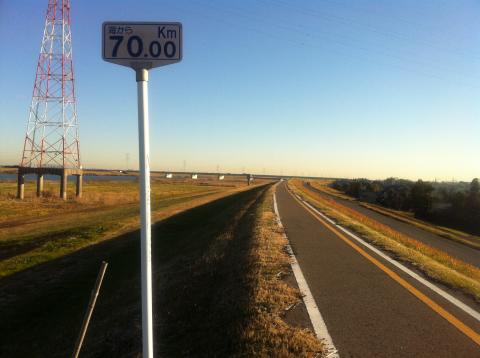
(217, 257)
(36, 230)
(434, 263)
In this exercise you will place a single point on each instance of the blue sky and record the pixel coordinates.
(327, 88)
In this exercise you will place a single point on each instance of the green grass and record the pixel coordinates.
(38, 230)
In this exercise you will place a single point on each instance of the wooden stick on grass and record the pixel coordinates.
(91, 306)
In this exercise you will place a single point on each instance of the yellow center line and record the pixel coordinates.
(469, 332)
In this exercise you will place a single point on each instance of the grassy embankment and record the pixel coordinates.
(216, 284)
(434, 263)
(407, 217)
(37, 230)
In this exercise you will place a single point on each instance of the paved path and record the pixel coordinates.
(367, 313)
(456, 249)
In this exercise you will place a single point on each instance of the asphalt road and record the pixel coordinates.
(456, 249)
(367, 313)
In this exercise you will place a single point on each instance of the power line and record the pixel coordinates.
(346, 42)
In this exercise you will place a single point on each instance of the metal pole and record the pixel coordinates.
(144, 159)
(91, 306)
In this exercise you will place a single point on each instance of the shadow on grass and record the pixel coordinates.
(202, 292)
(11, 249)
(85, 229)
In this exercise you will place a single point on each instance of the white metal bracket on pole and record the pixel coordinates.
(143, 46)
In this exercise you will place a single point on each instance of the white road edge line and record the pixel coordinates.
(467, 309)
(316, 318)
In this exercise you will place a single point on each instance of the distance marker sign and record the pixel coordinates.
(142, 44)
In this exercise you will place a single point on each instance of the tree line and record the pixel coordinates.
(450, 204)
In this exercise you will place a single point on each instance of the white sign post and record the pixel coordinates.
(142, 46)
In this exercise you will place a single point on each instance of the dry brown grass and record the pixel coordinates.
(38, 230)
(98, 195)
(407, 217)
(216, 284)
(433, 262)
(451, 234)
(5, 170)
(235, 281)
(324, 185)
(266, 331)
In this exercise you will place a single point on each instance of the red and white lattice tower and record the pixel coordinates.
(51, 141)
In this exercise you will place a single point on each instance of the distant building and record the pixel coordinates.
(221, 177)
(195, 176)
(169, 175)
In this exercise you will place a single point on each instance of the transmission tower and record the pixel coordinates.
(51, 142)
